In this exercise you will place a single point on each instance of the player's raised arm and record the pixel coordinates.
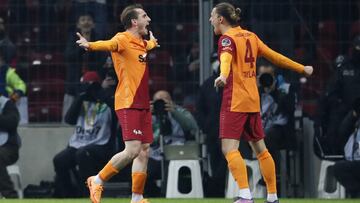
(107, 45)
(152, 43)
(82, 42)
(283, 61)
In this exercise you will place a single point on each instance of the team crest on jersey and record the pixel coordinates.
(225, 42)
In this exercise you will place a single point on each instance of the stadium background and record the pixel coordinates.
(319, 31)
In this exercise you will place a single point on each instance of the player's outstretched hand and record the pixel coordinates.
(82, 42)
(220, 81)
(153, 38)
(308, 70)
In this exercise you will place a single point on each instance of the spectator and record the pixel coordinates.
(338, 99)
(6, 42)
(175, 124)
(97, 8)
(277, 110)
(92, 143)
(347, 171)
(208, 112)
(11, 85)
(275, 28)
(192, 73)
(9, 144)
(79, 61)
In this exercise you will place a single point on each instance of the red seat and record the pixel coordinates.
(44, 113)
(327, 40)
(327, 29)
(160, 63)
(158, 83)
(45, 100)
(355, 29)
(3, 6)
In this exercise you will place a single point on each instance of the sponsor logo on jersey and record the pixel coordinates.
(227, 49)
(142, 57)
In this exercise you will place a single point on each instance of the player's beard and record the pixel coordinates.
(143, 31)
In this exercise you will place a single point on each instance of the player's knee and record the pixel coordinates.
(226, 149)
(145, 152)
(133, 152)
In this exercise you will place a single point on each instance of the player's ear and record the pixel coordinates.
(134, 22)
(221, 19)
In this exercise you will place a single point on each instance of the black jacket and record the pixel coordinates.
(9, 121)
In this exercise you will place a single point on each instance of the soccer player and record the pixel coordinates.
(239, 116)
(128, 50)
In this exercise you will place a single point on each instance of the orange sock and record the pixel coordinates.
(267, 167)
(108, 171)
(138, 182)
(237, 167)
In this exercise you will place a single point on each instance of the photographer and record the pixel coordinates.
(277, 109)
(92, 142)
(347, 172)
(175, 124)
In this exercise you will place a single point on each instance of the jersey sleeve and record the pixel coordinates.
(226, 44)
(150, 44)
(225, 64)
(121, 42)
(103, 45)
(117, 43)
(278, 59)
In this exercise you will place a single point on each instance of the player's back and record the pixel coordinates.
(243, 45)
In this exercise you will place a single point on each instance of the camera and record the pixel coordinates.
(266, 80)
(159, 107)
(161, 114)
(90, 91)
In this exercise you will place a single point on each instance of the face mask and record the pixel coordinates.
(215, 66)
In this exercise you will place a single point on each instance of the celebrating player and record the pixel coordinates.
(239, 116)
(128, 50)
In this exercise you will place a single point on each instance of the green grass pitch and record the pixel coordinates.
(163, 200)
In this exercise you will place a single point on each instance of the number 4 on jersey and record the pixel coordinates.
(249, 58)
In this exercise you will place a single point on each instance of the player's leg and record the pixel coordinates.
(255, 136)
(139, 174)
(237, 167)
(231, 128)
(117, 162)
(131, 126)
(139, 167)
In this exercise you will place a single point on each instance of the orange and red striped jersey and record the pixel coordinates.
(129, 58)
(240, 92)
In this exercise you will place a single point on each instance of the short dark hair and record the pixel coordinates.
(128, 14)
(7, 51)
(229, 12)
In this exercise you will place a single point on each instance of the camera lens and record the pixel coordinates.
(266, 79)
(159, 107)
